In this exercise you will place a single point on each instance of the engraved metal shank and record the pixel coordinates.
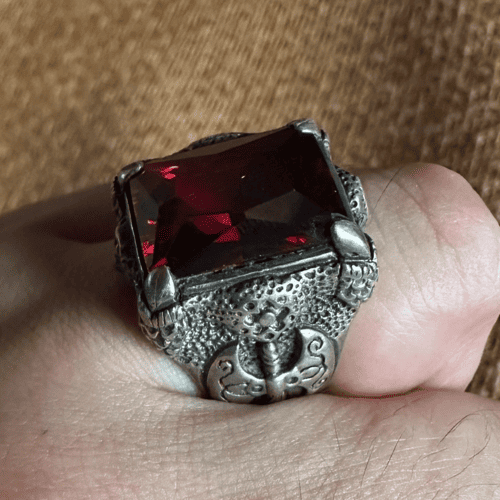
(265, 333)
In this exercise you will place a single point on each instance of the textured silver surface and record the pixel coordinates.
(266, 331)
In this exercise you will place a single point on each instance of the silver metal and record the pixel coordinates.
(269, 330)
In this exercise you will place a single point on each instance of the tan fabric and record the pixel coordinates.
(87, 87)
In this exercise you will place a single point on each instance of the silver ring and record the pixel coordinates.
(249, 259)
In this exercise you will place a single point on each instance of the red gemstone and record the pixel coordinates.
(235, 201)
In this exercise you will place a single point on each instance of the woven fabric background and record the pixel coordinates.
(87, 87)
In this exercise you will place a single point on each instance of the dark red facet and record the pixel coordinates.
(236, 201)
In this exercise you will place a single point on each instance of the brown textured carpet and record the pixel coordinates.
(87, 87)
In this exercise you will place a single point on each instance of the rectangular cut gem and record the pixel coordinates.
(236, 201)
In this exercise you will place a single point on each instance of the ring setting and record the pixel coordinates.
(249, 259)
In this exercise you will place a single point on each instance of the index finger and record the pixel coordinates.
(85, 216)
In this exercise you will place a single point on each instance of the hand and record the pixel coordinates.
(89, 409)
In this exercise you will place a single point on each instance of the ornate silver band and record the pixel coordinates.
(271, 327)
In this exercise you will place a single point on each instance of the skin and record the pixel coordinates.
(89, 409)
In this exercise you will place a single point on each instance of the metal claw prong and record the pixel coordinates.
(129, 171)
(349, 240)
(160, 288)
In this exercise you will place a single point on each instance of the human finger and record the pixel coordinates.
(385, 353)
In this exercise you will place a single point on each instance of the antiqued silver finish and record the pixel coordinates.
(262, 332)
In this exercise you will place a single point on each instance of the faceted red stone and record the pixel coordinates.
(235, 201)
